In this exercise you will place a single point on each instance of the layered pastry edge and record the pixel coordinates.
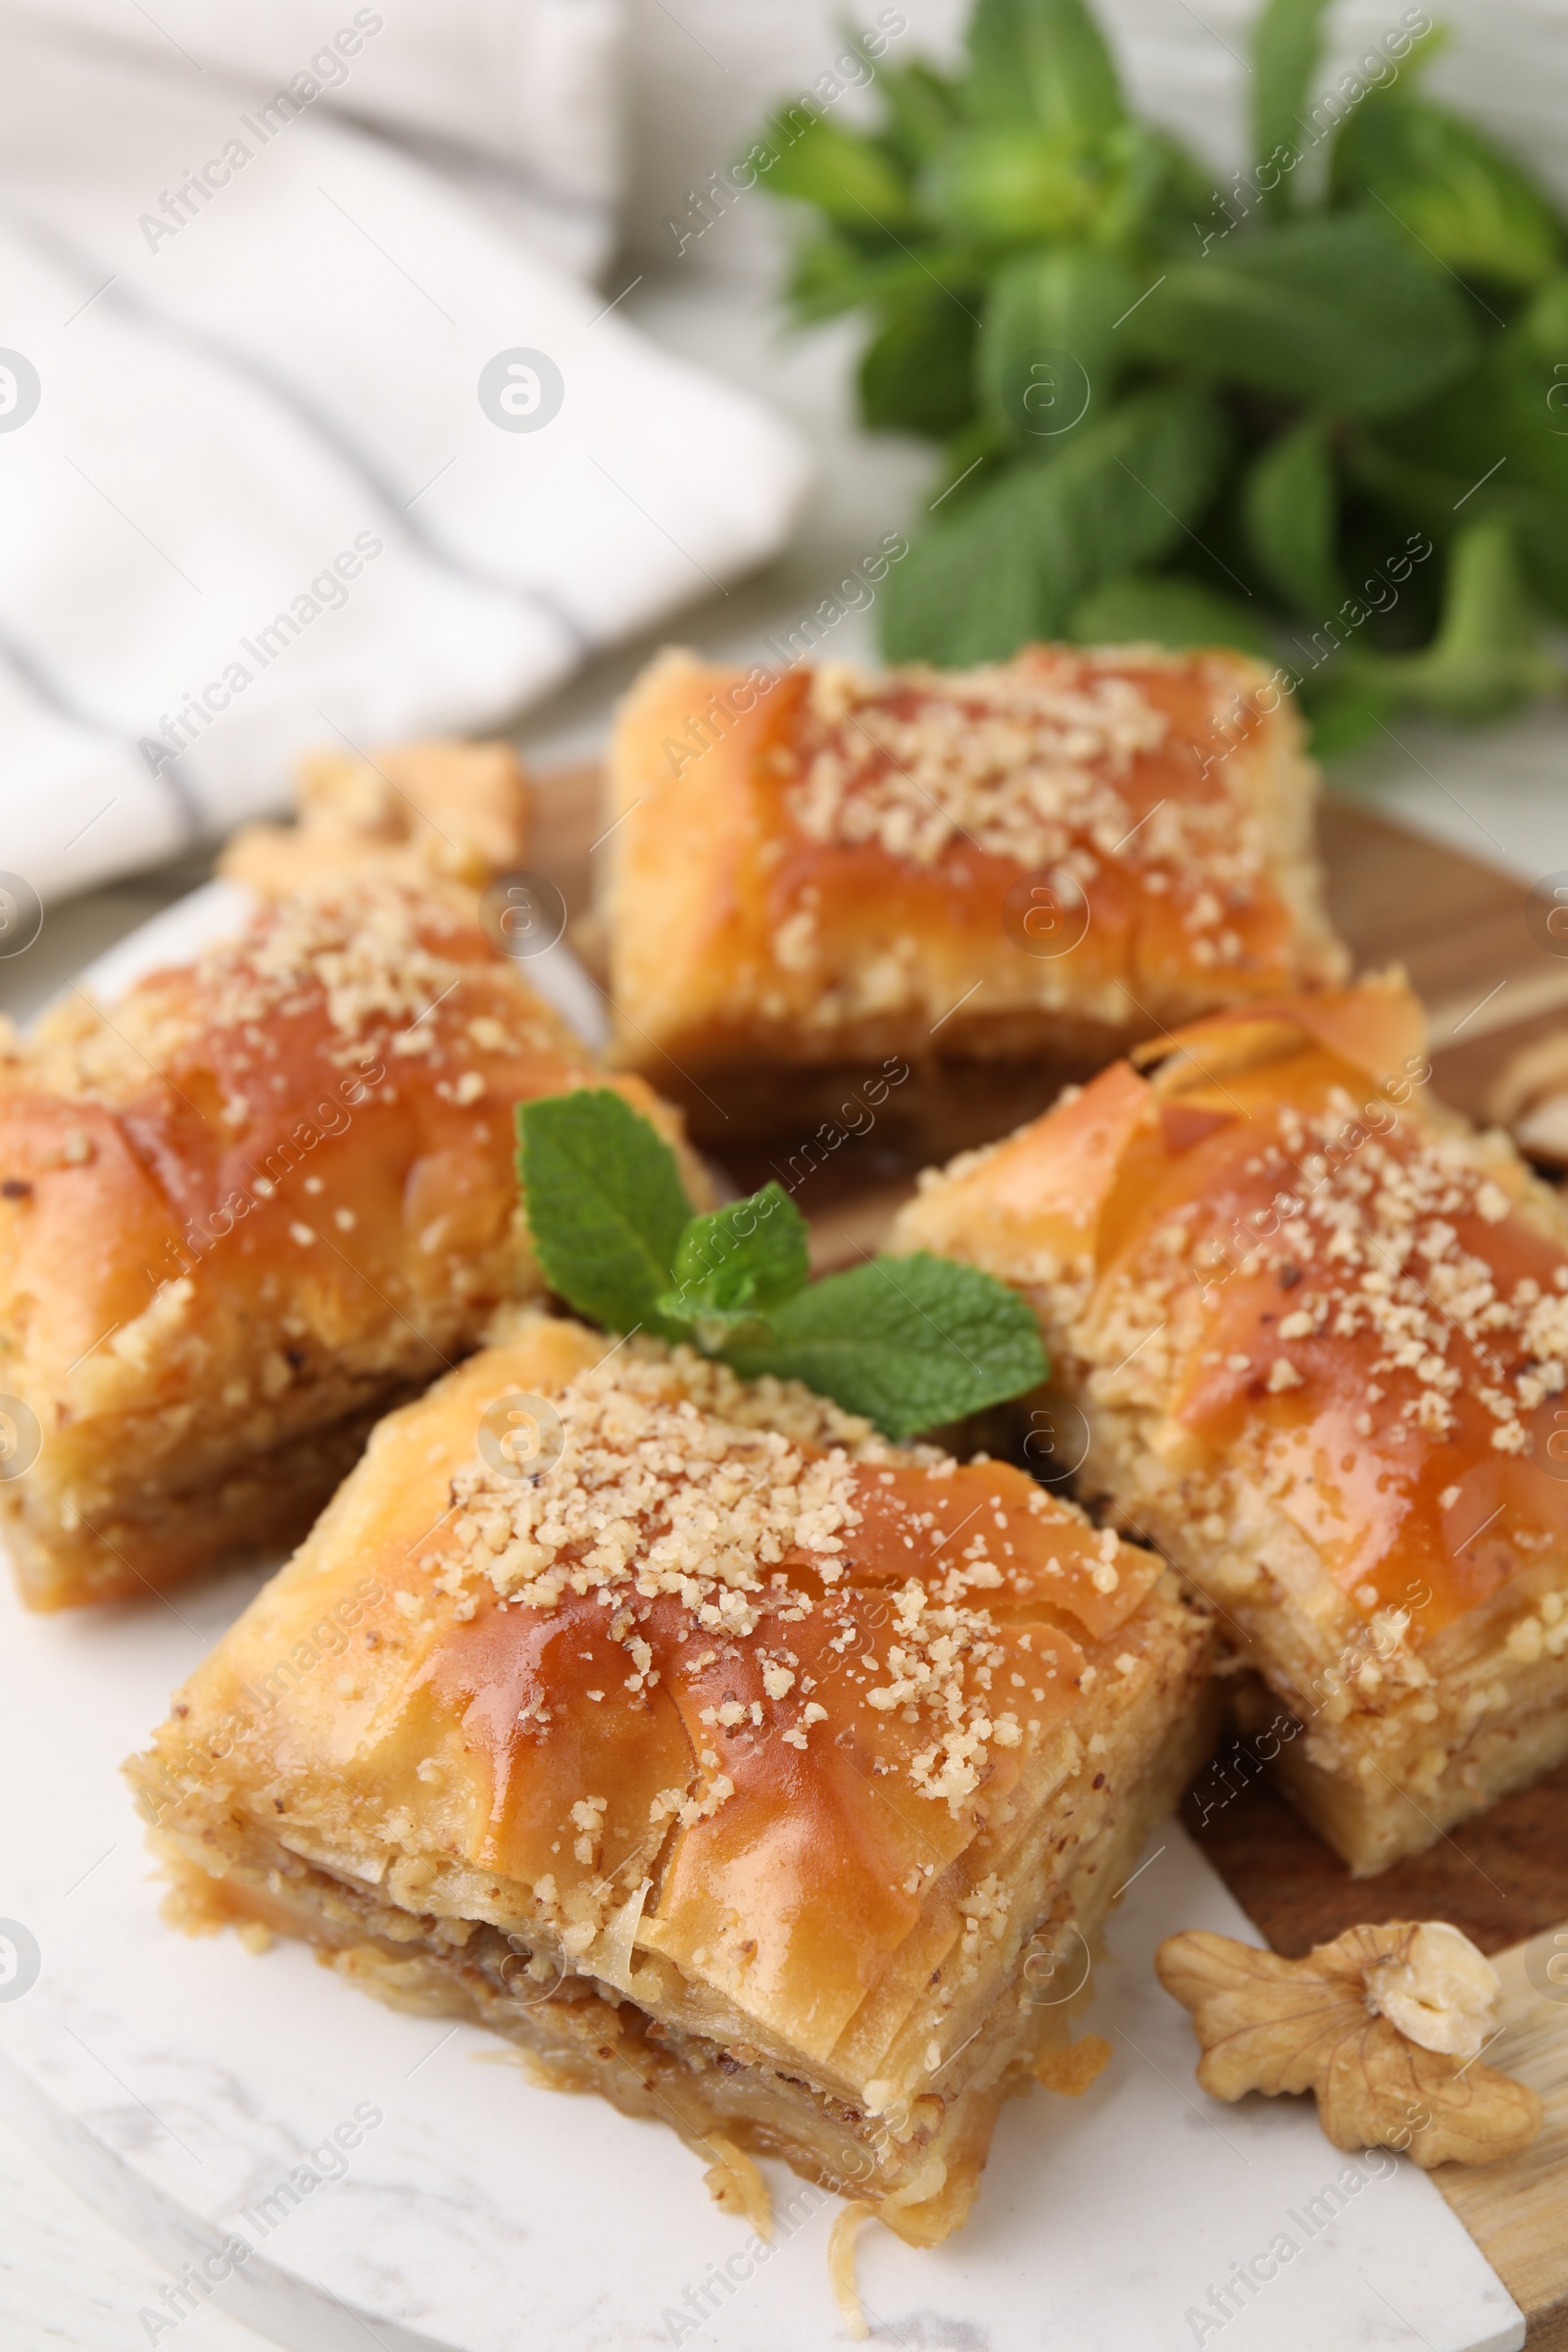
(813, 872)
(1389, 1716)
(249, 1207)
(895, 2103)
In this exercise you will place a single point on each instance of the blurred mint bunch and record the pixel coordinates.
(1318, 410)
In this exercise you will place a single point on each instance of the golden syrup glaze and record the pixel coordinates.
(409, 1162)
(804, 1850)
(235, 1129)
(1146, 908)
(1394, 1470)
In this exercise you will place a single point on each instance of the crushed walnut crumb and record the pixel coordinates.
(652, 1495)
(739, 1500)
(1032, 761)
(1374, 1241)
(377, 956)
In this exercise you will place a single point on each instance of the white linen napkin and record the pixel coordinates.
(532, 86)
(330, 458)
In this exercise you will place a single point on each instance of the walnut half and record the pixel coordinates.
(1383, 2025)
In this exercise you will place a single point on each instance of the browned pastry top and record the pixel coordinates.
(1110, 774)
(1309, 1258)
(314, 1119)
(804, 859)
(843, 1707)
(728, 1645)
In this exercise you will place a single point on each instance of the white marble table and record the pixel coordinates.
(72, 2283)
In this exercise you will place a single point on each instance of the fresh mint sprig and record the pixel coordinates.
(737, 1265)
(605, 1206)
(910, 1342)
(1201, 405)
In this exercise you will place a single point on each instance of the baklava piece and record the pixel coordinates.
(738, 1765)
(1034, 863)
(242, 1211)
(1317, 1330)
(443, 812)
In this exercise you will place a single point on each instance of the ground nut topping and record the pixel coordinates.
(652, 1495)
(1032, 763)
(1368, 1228)
(743, 1502)
(372, 950)
(374, 955)
(1382, 1233)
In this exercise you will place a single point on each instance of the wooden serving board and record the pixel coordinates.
(1459, 929)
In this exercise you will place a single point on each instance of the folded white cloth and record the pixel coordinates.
(533, 86)
(317, 453)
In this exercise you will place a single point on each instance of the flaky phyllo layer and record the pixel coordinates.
(259, 1199)
(729, 1715)
(1319, 1332)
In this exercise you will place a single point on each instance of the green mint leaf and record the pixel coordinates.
(828, 275)
(1008, 186)
(1441, 464)
(833, 272)
(1541, 527)
(1339, 311)
(1161, 195)
(1287, 51)
(1488, 654)
(1450, 188)
(921, 110)
(1499, 410)
(1289, 510)
(1061, 302)
(968, 590)
(917, 374)
(910, 1342)
(1172, 610)
(1043, 64)
(1017, 557)
(970, 464)
(605, 1204)
(1343, 715)
(737, 1264)
(847, 176)
(1416, 483)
